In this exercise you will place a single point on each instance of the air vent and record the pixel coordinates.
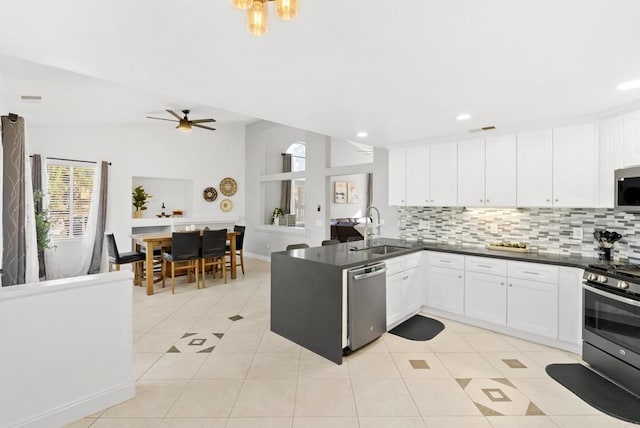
(31, 98)
(484, 128)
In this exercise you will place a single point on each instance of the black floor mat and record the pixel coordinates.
(597, 391)
(418, 328)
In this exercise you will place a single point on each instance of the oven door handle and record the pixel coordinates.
(612, 296)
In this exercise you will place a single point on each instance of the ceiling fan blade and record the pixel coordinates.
(202, 120)
(202, 126)
(174, 114)
(161, 118)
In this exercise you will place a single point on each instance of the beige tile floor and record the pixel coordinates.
(254, 378)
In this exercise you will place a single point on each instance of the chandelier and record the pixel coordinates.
(257, 13)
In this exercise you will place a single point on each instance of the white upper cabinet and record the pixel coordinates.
(444, 174)
(418, 176)
(574, 166)
(535, 168)
(500, 171)
(610, 158)
(471, 173)
(397, 177)
(632, 139)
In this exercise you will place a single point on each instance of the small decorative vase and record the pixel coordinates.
(137, 214)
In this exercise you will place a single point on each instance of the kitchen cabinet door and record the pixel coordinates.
(610, 158)
(485, 297)
(471, 173)
(397, 177)
(574, 166)
(632, 139)
(444, 174)
(570, 305)
(395, 298)
(533, 307)
(534, 169)
(412, 291)
(446, 289)
(500, 171)
(418, 177)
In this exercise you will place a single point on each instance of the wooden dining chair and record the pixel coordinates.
(116, 259)
(185, 247)
(239, 245)
(214, 243)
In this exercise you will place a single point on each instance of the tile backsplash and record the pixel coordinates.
(547, 230)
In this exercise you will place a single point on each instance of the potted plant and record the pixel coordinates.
(139, 200)
(277, 212)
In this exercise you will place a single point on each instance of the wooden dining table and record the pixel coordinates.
(152, 240)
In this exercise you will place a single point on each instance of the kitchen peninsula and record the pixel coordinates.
(309, 293)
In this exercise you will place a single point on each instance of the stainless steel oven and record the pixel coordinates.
(611, 328)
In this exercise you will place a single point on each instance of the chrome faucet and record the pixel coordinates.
(366, 221)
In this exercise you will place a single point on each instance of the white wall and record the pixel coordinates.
(204, 157)
(67, 349)
(345, 153)
(350, 210)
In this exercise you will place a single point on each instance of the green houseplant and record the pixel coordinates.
(140, 197)
(277, 212)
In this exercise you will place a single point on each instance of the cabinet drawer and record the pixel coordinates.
(447, 260)
(398, 264)
(485, 265)
(533, 272)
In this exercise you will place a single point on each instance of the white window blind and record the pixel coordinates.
(70, 189)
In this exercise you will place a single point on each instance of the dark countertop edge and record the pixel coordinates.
(415, 246)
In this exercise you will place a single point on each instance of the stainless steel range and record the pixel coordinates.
(611, 322)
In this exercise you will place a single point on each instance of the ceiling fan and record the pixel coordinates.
(184, 124)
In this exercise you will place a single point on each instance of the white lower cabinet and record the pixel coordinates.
(404, 288)
(485, 297)
(570, 305)
(532, 306)
(446, 289)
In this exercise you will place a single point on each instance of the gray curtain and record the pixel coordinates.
(13, 214)
(96, 256)
(285, 196)
(36, 181)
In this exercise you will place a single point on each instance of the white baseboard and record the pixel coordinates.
(79, 409)
(258, 257)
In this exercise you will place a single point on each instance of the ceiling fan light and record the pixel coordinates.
(287, 9)
(257, 18)
(242, 4)
(184, 126)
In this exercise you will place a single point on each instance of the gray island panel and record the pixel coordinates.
(306, 304)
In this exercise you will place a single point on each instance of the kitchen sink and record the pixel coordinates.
(383, 249)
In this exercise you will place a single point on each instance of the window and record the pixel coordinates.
(297, 152)
(70, 189)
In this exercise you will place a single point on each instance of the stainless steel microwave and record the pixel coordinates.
(627, 189)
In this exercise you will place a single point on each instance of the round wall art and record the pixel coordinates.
(228, 186)
(210, 194)
(226, 205)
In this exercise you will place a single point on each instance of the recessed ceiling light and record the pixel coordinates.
(463, 116)
(362, 134)
(631, 84)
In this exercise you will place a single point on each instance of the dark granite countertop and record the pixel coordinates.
(343, 256)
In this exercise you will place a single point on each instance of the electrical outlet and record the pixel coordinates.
(493, 228)
(268, 245)
(577, 233)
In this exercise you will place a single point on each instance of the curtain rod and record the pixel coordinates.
(70, 160)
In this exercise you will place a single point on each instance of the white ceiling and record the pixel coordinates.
(401, 70)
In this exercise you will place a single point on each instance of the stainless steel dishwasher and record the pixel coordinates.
(367, 304)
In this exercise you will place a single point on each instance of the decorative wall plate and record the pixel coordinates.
(210, 194)
(226, 205)
(228, 186)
